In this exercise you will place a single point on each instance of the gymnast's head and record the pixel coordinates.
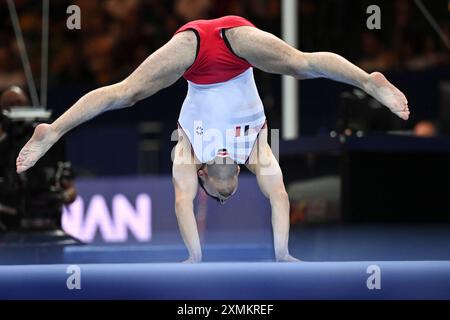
(219, 178)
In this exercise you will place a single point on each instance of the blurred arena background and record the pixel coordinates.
(362, 185)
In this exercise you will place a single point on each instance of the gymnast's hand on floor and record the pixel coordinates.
(387, 94)
(288, 258)
(42, 140)
(192, 260)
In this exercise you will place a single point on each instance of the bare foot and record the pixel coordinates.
(43, 139)
(387, 94)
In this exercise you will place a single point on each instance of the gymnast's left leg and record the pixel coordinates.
(271, 54)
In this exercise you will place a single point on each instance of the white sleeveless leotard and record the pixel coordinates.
(223, 119)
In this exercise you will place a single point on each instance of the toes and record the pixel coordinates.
(22, 165)
(398, 107)
(403, 115)
(20, 168)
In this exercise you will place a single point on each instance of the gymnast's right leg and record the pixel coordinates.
(160, 70)
(269, 53)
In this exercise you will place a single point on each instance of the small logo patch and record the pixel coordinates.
(199, 130)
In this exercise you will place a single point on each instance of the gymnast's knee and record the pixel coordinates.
(298, 64)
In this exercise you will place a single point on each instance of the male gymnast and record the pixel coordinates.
(222, 124)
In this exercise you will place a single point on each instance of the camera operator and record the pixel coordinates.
(31, 201)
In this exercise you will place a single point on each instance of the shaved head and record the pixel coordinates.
(219, 179)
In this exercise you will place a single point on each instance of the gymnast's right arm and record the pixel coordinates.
(158, 71)
(184, 175)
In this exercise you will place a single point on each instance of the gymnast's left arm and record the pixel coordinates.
(270, 180)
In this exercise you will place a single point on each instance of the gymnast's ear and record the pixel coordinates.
(202, 173)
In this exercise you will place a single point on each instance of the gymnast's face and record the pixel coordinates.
(220, 181)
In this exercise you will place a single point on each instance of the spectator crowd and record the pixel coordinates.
(117, 35)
